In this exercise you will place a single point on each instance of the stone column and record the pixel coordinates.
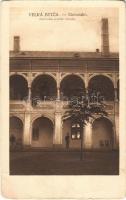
(29, 99)
(27, 131)
(116, 120)
(117, 131)
(58, 93)
(116, 98)
(116, 136)
(57, 140)
(58, 85)
(116, 125)
(86, 81)
(29, 94)
(88, 136)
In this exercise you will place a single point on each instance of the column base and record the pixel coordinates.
(57, 146)
(26, 147)
(115, 147)
(87, 147)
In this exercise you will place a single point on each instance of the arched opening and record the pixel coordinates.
(72, 86)
(103, 85)
(42, 132)
(74, 140)
(43, 88)
(16, 130)
(102, 134)
(118, 90)
(18, 87)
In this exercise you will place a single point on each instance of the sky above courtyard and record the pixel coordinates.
(69, 33)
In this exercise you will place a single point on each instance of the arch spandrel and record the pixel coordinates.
(41, 74)
(69, 74)
(36, 116)
(104, 117)
(19, 74)
(100, 74)
(19, 116)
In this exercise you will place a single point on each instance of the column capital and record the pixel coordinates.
(29, 85)
(58, 113)
(58, 106)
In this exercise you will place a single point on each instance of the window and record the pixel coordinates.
(75, 131)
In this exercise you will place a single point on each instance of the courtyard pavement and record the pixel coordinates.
(64, 163)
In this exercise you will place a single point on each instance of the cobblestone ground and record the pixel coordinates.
(64, 163)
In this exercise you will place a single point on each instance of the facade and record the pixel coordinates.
(41, 83)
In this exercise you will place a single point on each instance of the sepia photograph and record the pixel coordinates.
(64, 91)
(63, 99)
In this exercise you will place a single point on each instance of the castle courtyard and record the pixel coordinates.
(48, 162)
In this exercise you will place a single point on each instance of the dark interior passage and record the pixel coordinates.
(72, 86)
(16, 130)
(103, 136)
(43, 88)
(103, 85)
(18, 88)
(42, 132)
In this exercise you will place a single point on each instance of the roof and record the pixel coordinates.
(60, 54)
